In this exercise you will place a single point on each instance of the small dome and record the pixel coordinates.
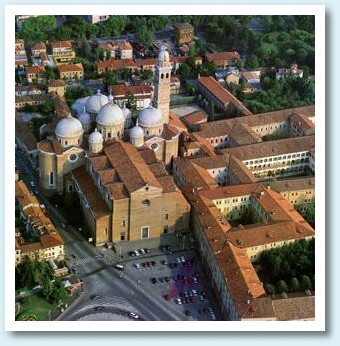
(96, 137)
(110, 114)
(163, 54)
(150, 117)
(69, 127)
(96, 102)
(136, 132)
(84, 118)
(126, 112)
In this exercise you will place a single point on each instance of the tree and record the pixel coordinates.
(109, 79)
(144, 36)
(47, 107)
(147, 74)
(47, 289)
(306, 283)
(310, 214)
(270, 289)
(85, 47)
(38, 28)
(49, 73)
(116, 25)
(253, 61)
(294, 285)
(281, 286)
(184, 71)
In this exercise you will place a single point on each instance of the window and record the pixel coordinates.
(166, 216)
(51, 178)
(123, 223)
(66, 142)
(73, 158)
(165, 229)
(70, 188)
(146, 202)
(145, 232)
(122, 235)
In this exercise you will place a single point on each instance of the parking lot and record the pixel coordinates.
(177, 279)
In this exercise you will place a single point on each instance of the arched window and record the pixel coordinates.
(162, 76)
(167, 75)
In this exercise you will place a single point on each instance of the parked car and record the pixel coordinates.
(133, 315)
(137, 265)
(141, 251)
(153, 280)
(178, 301)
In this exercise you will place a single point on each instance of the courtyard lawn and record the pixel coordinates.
(34, 308)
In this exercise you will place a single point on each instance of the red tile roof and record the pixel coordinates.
(227, 56)
(222, 94)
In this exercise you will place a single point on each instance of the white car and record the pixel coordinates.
(133, 315)
(136, 252)
(137, 265)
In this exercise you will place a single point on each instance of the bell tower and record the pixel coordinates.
(162, 83)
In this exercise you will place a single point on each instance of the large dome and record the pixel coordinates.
(163, 54)
(150, 117)
(110, 114)
(84, 118)
(69, 127)
(96, 137)
(96, 102)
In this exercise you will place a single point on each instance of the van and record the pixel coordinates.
(119, 267)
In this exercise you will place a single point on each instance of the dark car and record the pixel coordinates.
(187, 313)
(153, 280)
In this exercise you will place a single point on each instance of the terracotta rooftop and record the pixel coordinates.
(35, 69)
(158, 169)
(91, 192)
(293, 184)
(175, 121)
(130, 166)
(148, 155)
(61, 44)
(31, 98)
(194, 174)
(118, 191)
(260, 308)
(116, 64)
(50, 146)
(295, 308)
(222, 94)
(124, 45)
(24, 133)
(70, 67)
(167, 183)
(183, 26)
(39, 46)
(227, 56)
(120, 91)
(272, 148)
(195, 118)
(256, 235)
(169, 132)
(239, 169)
(57, 83)
(146, 62)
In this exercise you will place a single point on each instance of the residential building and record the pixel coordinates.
(47, 243)
(62, 52)
(125, 50)
(20, 46)
(36, 74)
(252, 81)
(97, 19)
(292, 71)
(71, 71)
(32, 100)
(38, 48)
(115, 65)
(57, 86)
(29, 90)
(183, 33)
(223, 60)
(175, 85)
(141, 94)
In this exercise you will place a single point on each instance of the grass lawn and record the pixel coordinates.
(34, 308)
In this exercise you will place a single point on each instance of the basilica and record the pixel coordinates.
(99, 121)
(118, 169)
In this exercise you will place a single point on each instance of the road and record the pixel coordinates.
(118, 291)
